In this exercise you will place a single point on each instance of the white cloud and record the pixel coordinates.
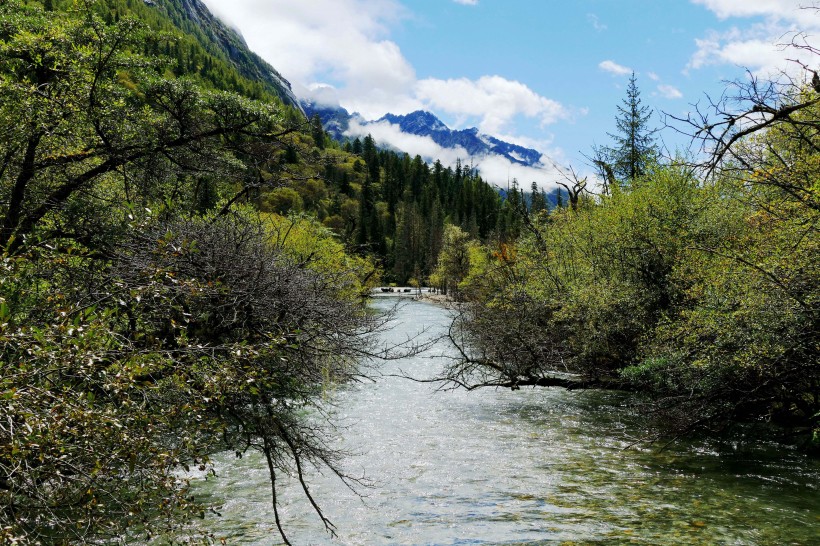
(652, 76)
(494, 169)
(614, 68)
(392, 135)
(321, 93)
(339, 52)
(543, 145)
(340, 42)
(493, 99)
(759, 46)
(786, 9)
(669, 91)
(596, 22)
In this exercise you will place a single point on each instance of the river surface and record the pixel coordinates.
(542, 466)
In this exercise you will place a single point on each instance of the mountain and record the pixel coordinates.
(218, 39)
(423, 123)
(336, 121)
(196, 44)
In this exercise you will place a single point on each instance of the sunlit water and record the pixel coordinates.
(540, 466)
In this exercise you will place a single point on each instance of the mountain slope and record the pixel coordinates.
(423, 123)
(194, 18)
(196, 44)
(336, 121)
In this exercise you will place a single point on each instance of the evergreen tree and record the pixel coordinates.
(366, 206)
(634, 143)
(371, 158)
(411, 235)
(317, 131)
(538, 199)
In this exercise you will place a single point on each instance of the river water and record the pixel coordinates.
(541, 466)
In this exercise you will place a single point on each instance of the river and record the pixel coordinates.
(541, 466)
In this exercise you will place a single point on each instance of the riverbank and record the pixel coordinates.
(442, 300)
(425, 295)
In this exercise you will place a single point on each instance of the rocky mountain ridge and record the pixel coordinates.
(215, 36)
(336, 121)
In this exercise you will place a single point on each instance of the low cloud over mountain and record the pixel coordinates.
(422, 133)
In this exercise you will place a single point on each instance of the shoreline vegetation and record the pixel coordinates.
(183, 259)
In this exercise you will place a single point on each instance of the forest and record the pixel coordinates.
(186, 262)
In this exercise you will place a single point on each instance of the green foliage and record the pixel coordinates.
(147, 319)
(394, 207)
(633, 148)
(703, 295)
(83, 116)
(453, 260)
(317, 132)
(281, 201)
(311, 244)
(194, 43)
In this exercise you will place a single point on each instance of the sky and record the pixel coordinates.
(546, 74)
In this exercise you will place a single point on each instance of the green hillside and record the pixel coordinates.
(380, 203)
(197, 44)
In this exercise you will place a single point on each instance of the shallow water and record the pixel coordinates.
(542, 466)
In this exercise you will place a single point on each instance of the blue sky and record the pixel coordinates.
(543, 73)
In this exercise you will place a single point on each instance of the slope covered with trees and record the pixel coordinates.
(196, 43)
(184, 260)
(396, 207)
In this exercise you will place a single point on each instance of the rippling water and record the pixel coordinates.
(541, 466)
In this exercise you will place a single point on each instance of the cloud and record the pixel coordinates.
(669, 91)
(755, 54)
(343, 43)
(596, 22)
(787, 9)
(495, 169)
(322, 94)
(385, 133)
(467, 2)
(493, 99)
(760, 45)
(652, 76)
(339, 52)
(614, 68)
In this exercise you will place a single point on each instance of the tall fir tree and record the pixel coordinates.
(317, 132)
(634, 141)
(538, 199)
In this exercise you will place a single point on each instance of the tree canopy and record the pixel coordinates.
(149, 315)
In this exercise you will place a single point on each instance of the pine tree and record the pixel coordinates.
(317, 131)
(371, 158)
(538, 199)
(634, 143)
